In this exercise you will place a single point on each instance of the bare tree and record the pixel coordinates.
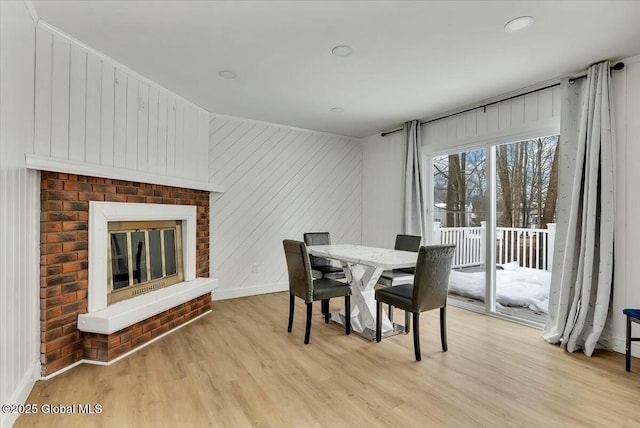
(456, 191)
(551, 199)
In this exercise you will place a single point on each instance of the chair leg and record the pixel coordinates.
(325, 306)
(378, 321)
(443, 328)
(627, 360)
(347, 314)
(307, 332)
(390, 311)
(291, 306)
(416, 335)
(325, 311)
(407, 327)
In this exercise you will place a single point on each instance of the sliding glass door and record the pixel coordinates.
(497, 204)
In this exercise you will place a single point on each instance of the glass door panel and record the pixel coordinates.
(459, 215)
(526, 195)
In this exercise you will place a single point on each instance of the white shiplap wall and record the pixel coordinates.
(19, 212)
(280, 182)
(96, 116)
(528, 116)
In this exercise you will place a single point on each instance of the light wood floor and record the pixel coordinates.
(238, 367)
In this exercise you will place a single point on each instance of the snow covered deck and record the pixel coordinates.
(516, 286)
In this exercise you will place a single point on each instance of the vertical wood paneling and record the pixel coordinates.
(132, 124)
(153, 130)
(482, 120)
(203, 161)
(188, 134)
(90, 109)
(545, 104)
(19, 201)
(107, 122)
(521, 117)
(280, 182)
(171, 136)
(94, 106)
(120, 120)
(143, 127)
(61, 60)
(77, 103)
(162, 133)
(504, 116)
(179, 144)
(493, 118)
(517, 112)
(530, 108)
(42, 137)
(557, 101)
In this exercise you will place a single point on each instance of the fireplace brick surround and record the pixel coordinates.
(64, 267)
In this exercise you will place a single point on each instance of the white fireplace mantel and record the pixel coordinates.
(107, 319)
(101, 213)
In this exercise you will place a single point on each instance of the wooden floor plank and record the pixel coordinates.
(238, 367)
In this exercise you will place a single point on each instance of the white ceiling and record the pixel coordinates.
(410, 60)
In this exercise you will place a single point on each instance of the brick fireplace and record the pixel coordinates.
(64, 267)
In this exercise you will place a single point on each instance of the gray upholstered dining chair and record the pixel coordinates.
(404, 275)
(302, 285)
(428, 291)
(393, 277)
(321, 265)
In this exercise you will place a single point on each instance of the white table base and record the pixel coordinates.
(363, 303)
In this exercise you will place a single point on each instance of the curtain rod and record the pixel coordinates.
(617, 66)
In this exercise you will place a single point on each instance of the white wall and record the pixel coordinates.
(281, 182)
(19, 211)
(382, 183)
(523, 116)
(95, 116)
(626, 288)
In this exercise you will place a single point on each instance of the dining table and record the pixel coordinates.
(363, 266)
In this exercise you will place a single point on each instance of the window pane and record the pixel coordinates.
(119, 261)
(155, 254)
(139, 254)
(170, 251)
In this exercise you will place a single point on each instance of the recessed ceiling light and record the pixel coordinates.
(227, 74)
(337, 109)
(342, 50)
(518, 24)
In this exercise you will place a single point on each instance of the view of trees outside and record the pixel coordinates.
(527, 185)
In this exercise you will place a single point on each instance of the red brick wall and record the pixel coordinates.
(102, 347)
(64, 265)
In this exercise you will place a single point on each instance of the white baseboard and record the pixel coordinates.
(21, 394)
(619, 345)
(232, 293)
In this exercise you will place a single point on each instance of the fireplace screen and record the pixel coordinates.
(143, 256)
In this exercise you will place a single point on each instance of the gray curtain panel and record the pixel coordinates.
(414, 197)
(582, 276)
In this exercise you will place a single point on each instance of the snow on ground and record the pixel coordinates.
(515, 286)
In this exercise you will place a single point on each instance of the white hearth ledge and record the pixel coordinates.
(128, 312)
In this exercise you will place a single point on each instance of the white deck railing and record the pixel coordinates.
(529, 247)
